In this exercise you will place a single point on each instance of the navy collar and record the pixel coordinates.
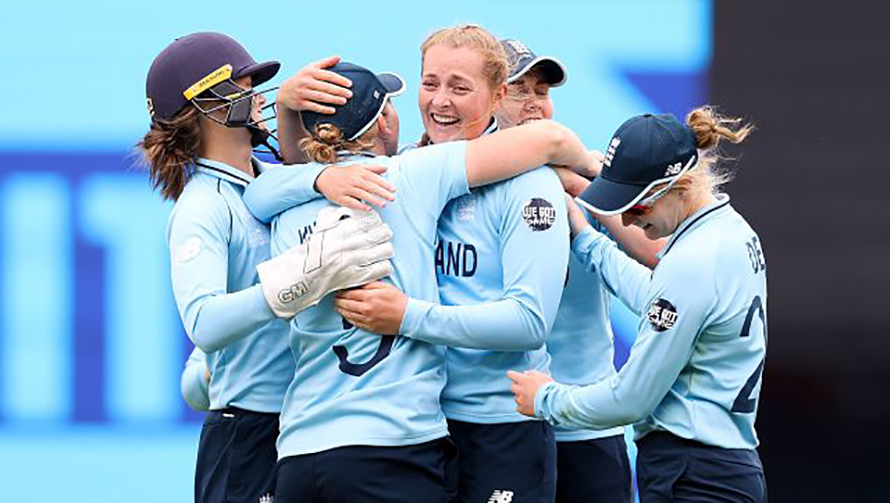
(695, 220)
(228, 173)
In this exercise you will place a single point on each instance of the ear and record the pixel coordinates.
(499, 94)
(684, 186)
(383, 130)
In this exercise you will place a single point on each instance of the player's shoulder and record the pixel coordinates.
(542, 174)
(202, 198)
(541, 183)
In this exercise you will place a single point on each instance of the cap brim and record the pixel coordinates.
(554, 70)
(261, 72)
(393, 84)
(610, 198)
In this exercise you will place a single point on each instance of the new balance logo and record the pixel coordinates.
(673, 169)
(499, 496)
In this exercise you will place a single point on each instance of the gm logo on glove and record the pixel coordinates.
(293, 293)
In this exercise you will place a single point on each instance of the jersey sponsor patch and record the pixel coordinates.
(662, 315)
(188, 250)
(539, 214)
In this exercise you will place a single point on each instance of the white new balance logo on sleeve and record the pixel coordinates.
(499, 496)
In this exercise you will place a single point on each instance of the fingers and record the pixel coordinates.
(352, 203)
(354, 296)
(352, 307)
(326, 62)
(321, 75)
(377, 285)
(378, 181)
(515, 376)
(377, 169)
(322, 94)
(363, 192)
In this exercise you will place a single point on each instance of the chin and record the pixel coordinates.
(653, 233)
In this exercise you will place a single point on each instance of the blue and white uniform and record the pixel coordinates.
(501, 264)
(354, 388)
(695, 368)
(215, 246)
(581, 344)
(593, 465)
(506, 246)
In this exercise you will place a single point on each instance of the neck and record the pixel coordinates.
(227, 145)
(698, 201)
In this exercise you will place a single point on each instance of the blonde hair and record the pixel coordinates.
(495, 65)
(710, 127)
(169, 150)
(326, 143)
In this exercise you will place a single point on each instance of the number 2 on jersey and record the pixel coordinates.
(743, 402)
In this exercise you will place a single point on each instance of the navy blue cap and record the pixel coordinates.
(369, 95)
(194, 63)
(646, 151)
(522, 59)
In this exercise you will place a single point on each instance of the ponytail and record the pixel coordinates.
(710, 127)
(169, 149)
(326, 142)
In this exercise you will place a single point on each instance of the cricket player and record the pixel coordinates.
(362, 403)
(692, 381)
(206, 119)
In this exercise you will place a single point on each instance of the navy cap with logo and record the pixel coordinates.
(369, 95)
(522, 59)
(194, 63)
(645, 151)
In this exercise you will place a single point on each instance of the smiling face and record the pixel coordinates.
(455, 98)
(528, 99)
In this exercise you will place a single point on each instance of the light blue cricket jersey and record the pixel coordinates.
(695, 368)
(505, 245)
(215, 246)
(581, 344)
(353, 387)
(192, 384)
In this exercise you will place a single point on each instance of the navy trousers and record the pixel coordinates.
(672, 469)
(596, 470)
(236, 457)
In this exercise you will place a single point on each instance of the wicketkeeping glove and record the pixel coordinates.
(347, 248)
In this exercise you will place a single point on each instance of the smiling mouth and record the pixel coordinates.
(529, 120)
(444, 120)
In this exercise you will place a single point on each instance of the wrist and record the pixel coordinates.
(320, 183)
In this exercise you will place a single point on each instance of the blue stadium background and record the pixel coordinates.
(91, 346)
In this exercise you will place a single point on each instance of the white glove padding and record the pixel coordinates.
(347, 248)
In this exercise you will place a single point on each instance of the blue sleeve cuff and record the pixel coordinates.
(585, 240)
(542, 402)
(415, 311)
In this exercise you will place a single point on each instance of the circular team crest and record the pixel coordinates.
(539, 214)
(662, 315)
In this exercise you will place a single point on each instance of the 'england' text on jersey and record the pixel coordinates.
(456, 259)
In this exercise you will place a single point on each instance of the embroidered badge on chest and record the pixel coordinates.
(662, 315)
(539, 214)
